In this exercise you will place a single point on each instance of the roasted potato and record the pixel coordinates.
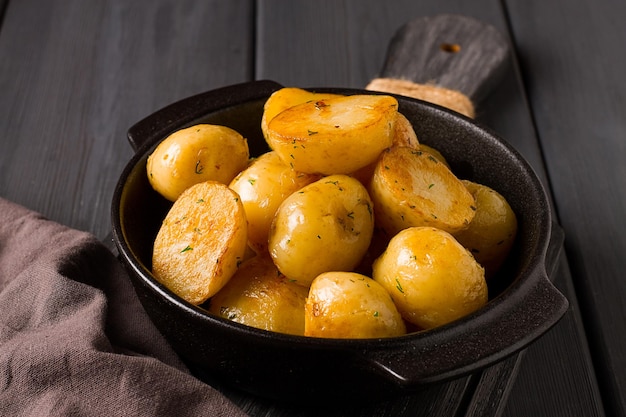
(262, 187)
(403, 135)
(259, 296)
(201, 242)
(334, 136)
(412, 188)
(325, 226)
(434, 152)
(492, 232)
(431, 277)
(196, 154)
(288, 97)
(350, 305)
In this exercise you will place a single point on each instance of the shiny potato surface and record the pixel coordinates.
(288, 97)
(198, 153)
(259, 296)
(492, 232)
(263, 186)
(434, 152)
(413, 188)
(403, 135)
(325, 226)
(350, 305)
(201, 241)
(334, 136)
(432, 278)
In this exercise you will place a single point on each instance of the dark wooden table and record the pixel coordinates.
(74, 75)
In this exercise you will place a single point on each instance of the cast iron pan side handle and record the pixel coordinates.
(532, 312)
(450, 51)
(164, 121)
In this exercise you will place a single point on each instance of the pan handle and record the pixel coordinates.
(178, 114)
(525, 315)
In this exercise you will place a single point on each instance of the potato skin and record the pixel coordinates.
(403, 135)
(434, 152)
(201, 242)
(259, 296)
(262, 187)
(350, 305)
(334, 136)
(325, 226)
(411, 187)
(285, 98)
(196, 154)
(432, 279)
(492, 232)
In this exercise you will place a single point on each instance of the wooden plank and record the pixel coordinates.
(75, 75)
(564, 387)
(574, 75)
(446, 404)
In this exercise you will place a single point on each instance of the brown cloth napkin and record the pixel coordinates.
(74, 339)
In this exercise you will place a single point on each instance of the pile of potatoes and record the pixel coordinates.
(347, 228)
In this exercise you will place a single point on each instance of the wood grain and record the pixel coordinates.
(574, 76)
(450, 51)
(74, 76)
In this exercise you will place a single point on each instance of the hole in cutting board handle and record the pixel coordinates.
(451, 48)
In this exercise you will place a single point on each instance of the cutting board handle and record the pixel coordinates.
(450, 51)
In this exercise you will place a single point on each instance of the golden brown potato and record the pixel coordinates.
(201, 241)
(196, 154)
(288, 97)
(262, 187)
(350, 305)
(432, 279)
(404, 135)
(492, 232)
(434, 152)
(325, 226)
(334, 136)
(259, 296)
(412, 188)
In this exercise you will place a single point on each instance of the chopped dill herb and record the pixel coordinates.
(199, 167)
(399, 286)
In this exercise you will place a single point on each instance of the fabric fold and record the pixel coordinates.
(74, 339)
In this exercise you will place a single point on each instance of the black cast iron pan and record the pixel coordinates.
(523, 302)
